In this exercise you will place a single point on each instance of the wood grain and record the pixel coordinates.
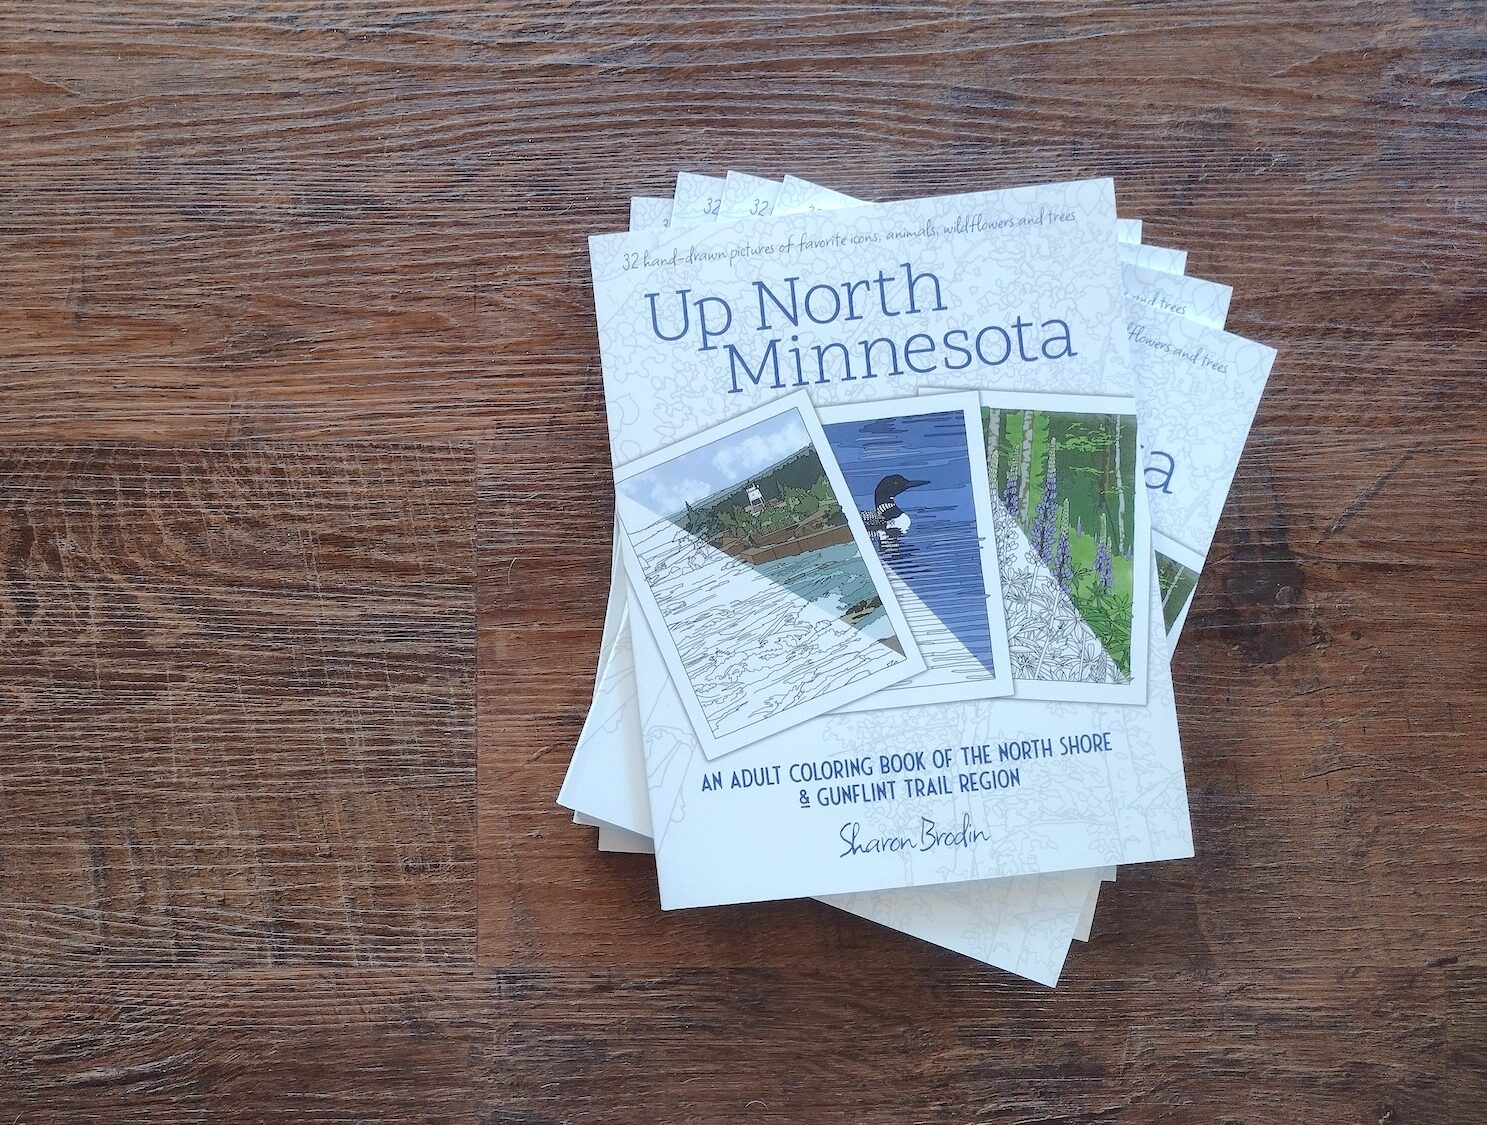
(303, 488)
(238, 716)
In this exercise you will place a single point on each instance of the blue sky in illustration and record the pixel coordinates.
(729, 461)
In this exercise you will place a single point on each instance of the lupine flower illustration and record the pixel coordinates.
(1063, 565)
(1010, 495)
(1047, 637)
(1045, 520)
(1103, 565)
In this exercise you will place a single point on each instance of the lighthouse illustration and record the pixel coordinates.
(756, 498)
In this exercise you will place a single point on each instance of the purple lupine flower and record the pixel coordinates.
(1011, 495)
(1063, 565)
(1103, 565)
(1045, 520)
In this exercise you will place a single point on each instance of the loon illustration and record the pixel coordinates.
(887, 523)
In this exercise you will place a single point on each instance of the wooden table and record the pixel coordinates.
(304, 541)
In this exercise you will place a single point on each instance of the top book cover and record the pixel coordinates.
(1015, 291)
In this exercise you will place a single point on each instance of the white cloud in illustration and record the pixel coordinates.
(726, 463)
(670, 496)
(762, 447)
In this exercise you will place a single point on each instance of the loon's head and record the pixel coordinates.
(890, 486)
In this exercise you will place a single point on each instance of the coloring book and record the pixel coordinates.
(1009, 291)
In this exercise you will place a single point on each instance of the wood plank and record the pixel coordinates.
(238, 677)
(809, 1042)
(371, 217)
(237, 705)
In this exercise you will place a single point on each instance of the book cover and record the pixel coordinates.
(1016, 289)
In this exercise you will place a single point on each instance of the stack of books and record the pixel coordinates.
(910, 502)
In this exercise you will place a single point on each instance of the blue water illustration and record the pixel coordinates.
(938, 557)
(756, 644)
(833, 578)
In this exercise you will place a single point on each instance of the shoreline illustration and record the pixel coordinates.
(784, 511)
(761, 581)
(793, 541)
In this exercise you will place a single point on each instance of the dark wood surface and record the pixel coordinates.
(303, 499)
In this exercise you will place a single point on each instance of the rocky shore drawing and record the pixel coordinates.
(760, 583)
(786, 510)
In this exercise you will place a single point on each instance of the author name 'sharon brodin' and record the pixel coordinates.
(932, 837)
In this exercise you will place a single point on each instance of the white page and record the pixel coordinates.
(798, 196)
(1201, 388)
(697, 199)
(612, 839)
(1207, 302)
(1087, 915)
(649, 211)
(1154, 257)
(744, 197)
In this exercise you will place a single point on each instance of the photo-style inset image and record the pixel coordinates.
(1178, 569)
(917, 472)
(1073, 543)
(763, 590)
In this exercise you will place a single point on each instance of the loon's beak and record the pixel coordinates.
(915, 483)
